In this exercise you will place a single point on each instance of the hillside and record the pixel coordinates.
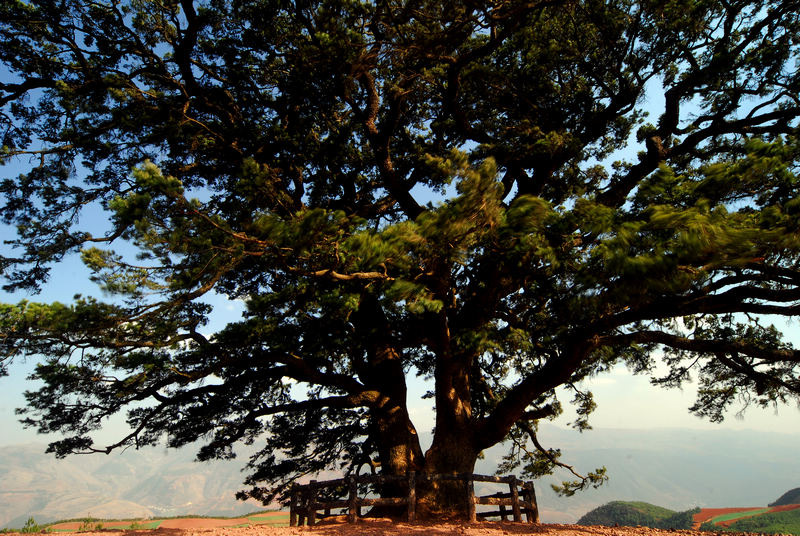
(636, 513)
(784, 519)
(674, 468)
(133, 484)
(671, 467)
(786, 522)
(790, 497)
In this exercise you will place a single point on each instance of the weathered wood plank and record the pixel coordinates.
(384, 501)
(515, 499)
(493, 501)
(328, 505)
(293, 506)
(532, 513)
(471, 501)
(411, 502)
(352, 502)
(304, 505)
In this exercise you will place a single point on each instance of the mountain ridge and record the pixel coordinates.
(677, 468)
(790, 497)
(638, 513)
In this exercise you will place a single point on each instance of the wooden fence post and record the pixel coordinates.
(311, 506)
(293, 507)
(304, 499)
(412, 496)
(472, 516)
(352, 500)
(533, 513)
(302, 510)
(515, 499)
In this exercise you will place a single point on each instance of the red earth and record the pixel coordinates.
(198, 522)
(181, 523)
(386, 528)
(782, 508)
(709, 513)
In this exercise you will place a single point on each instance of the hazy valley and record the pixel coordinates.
(674, 468)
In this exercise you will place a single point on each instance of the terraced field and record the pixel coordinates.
(274, 519)
(725, 517)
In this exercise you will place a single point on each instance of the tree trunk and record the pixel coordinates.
(446, 499)
(392, 431)
(454, 447)
(396, 439)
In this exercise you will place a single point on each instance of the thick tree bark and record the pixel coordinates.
(399, 450)
(449, 453)
(398, 444)
(459, 435)
(454, 447)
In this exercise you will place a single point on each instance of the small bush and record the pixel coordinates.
(90, 524)
(32, 526)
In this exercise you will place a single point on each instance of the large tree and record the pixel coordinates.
(471, 192)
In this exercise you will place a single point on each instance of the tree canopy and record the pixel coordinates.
(501, 197)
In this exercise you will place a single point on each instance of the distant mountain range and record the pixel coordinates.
(133, 484)
(678, 469)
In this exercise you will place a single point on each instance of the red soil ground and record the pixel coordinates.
(784, 508)
(708, 513)
(772, 510)
(386, 528)
(210, 527)
(194, 523)
(179, 523)
(76, 525)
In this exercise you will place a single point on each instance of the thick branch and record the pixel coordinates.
(556, 371)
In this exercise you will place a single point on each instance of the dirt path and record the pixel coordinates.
(385, 528)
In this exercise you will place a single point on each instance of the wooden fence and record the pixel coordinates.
(306, 503)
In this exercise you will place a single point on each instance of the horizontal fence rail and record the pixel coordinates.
(305, 502)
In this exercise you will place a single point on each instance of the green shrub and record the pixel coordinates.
(89, 524)
(680, 520)
(32, 526)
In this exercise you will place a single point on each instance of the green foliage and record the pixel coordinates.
(787, 522)
(394, 192)
(631, 514)
(89, 524)
(31, 526)
(736, 515)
